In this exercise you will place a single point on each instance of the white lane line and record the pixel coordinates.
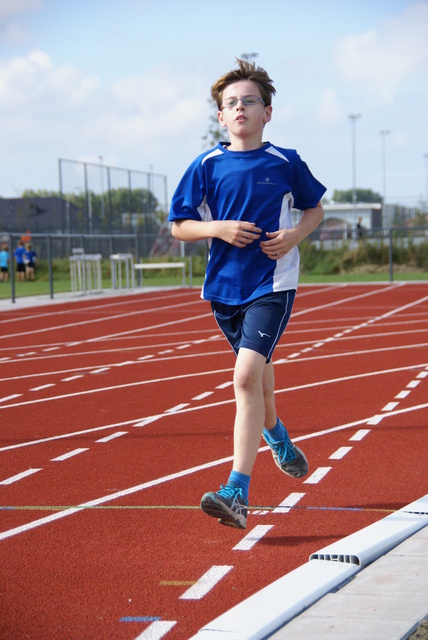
(70, 454)
(12, 397)
(206, 582)
(289, 502)
(101, 370)
(402, 395)
(201, 396)
(340, 453)
(43, 386)
(359, 435)
(317, 475)
(19, 476)
(157, 630)
(112, 436)
(252, 537)
(413, 384)
(390, 406)
(225, 385)
(177, 407)
(72, 378)
(422, 374)
(50, 349)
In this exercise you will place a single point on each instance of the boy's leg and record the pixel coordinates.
(269, 396)
(250, 409)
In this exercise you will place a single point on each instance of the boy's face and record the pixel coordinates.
(243, 120)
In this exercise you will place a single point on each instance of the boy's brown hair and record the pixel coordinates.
(246, 71)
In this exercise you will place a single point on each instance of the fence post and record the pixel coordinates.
(51, 290)
(12, 269)
(391, 257)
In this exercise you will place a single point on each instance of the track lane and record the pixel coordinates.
(181, 554)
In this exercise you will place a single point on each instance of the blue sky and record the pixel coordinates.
(129, 80)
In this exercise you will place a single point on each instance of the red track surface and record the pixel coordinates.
(139, 389)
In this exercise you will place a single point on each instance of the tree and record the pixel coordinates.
(363, 195)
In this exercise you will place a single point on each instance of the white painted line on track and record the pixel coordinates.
(422, 374)
(225, 385)
(252, 537)
(70, 454)
(177, 407)
(289, 502)
(201, 396)
(157, 630)
(20, 476)
(317, 475)
(413, 384)
(390, 406)
(402, 395)
(375, 420)
(206, 582)
(72, 378)
(113, 436)
(359, 435)
(43, 386)
(12, 397)
(340, 453)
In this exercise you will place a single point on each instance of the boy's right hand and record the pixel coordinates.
(237, 233)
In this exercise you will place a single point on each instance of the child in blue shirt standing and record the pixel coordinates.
(19, 254)
(238, 196)
(4, 263)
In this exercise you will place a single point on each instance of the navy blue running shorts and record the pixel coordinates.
(256, 325)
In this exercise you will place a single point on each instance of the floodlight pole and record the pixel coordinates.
(383, 133)
(353, 117)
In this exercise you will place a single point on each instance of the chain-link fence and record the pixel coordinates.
(387, 252)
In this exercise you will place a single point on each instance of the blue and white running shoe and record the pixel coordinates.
(228, 504)
(289, 458)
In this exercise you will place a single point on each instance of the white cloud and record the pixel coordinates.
(379, 62)
(10, 8)
(329, 109)
(33, 83)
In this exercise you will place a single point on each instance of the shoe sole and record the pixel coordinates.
(293, 473)
(216, 509)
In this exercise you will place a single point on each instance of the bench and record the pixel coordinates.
(142, 266)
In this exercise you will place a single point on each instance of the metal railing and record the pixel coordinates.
(386, 247)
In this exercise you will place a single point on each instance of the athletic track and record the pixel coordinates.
(116, 415)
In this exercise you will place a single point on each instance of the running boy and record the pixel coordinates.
(239, 196)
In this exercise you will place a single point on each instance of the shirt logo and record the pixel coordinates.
(267, 182)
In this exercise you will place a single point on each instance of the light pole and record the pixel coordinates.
(426, 180)
(383, 133)
(102, 186)
(353, 118)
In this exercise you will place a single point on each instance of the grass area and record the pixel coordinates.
(40, 287)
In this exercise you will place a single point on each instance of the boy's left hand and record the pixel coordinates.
(279, 243)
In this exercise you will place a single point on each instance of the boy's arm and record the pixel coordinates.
(235, 232)
(282, 241)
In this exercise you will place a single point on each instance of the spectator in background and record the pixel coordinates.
(19, 255)
(30, 260)
(360, 229)
(4, 263)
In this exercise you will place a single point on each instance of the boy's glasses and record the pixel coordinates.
(248, 101)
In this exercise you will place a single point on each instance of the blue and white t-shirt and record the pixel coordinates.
(259, 186)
